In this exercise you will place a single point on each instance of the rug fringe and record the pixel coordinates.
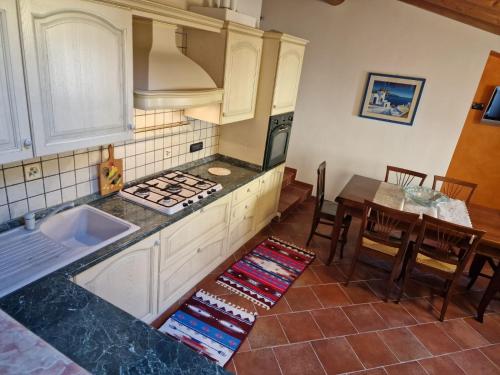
(293, 245)
(251, 299)
(224, 301)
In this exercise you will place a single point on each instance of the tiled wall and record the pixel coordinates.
(71, 175)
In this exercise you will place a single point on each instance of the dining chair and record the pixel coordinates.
(443, 249)
(384, 234)
(325, 212)
(454, 188)
(403, 177)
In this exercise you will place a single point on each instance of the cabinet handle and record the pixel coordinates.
(248, 190)
(246, 206)
(198, 250)
(245, 217)
(157, 243)
(274, 106)
(27, 143)
(131, 126)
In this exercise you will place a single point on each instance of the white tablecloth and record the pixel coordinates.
(454, 211)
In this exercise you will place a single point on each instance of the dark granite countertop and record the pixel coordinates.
(94, 333)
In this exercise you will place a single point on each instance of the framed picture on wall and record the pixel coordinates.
(391, 98)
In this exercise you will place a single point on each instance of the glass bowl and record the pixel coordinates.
(424, 196)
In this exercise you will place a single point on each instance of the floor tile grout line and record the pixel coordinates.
(317, 357)
(355, 353)
(282, 329)
(317, 325)
(487, 357)
(277, 362)
(395, 355)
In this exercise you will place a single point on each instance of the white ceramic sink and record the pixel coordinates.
(85, 227)
(26, 256)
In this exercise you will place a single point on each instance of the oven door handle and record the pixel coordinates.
(281, 129)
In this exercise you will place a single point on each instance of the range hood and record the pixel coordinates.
(164, 78)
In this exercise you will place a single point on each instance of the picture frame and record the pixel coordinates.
(391, 98)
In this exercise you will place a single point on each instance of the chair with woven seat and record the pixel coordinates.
(384, 234)
(454, 188)
(325, 212)
(403, 177)
(443, 249)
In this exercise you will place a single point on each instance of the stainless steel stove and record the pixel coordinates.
(171, 192)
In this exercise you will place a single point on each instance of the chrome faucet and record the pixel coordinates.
(29, 218)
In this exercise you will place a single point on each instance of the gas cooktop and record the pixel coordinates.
(171, 192)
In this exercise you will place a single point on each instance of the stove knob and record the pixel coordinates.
(200, 196)
(209, 192)
(213, 190)
(184, 204)
(190, 201)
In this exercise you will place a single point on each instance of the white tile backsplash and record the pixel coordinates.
(71, 175)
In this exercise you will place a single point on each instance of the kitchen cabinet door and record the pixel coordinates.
(241, 76)
(288, 73)
(79, 73)
(242, 226)
(185, 272)
(128, 280)
(15, 137)
(269, 195)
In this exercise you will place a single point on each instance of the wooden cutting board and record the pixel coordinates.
(111, 173)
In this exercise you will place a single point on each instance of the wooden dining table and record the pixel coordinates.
(360, 188)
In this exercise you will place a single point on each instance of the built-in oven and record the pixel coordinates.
(278, 137)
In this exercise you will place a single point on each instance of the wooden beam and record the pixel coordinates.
(483, 14)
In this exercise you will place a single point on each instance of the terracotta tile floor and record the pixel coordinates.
(321, 326)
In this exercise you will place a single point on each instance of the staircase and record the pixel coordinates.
(293, 193)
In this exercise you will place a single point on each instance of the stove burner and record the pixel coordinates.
(142, 192)
(202, 185)
(168, 201)
(173, 188)
(180, 178)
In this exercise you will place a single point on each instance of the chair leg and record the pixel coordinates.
(447, 298)
(390, 282)
(314, 225)
(406, 276)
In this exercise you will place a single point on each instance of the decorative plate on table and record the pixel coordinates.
(425, 196)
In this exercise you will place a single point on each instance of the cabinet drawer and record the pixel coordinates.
(245, 208)
(191, 230)
(185, 272)
(246, 191)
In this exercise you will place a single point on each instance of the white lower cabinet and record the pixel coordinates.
(190, 267)
(147, 278)
(128, 279)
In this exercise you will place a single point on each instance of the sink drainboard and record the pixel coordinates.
(24, 261)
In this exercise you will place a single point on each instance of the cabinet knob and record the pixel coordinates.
(274, 106)
(156, 244)
(246, 206)
(198, 250)
(248, 190)
(27, 143)
(131, 126)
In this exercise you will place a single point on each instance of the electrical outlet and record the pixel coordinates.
(32, 171)
(196, 147)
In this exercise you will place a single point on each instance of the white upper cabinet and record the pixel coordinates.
(79, 73)
(233, 59)
(241, 77)
(288, 72)
(15, 138)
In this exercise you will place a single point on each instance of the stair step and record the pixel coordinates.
(288, 177)
(289, 199)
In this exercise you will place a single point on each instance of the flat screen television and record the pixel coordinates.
(491, 114)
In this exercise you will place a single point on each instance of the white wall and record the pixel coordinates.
(385, 36)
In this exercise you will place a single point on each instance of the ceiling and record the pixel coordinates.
(483, 14)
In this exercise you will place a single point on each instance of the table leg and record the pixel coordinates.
(475, 268)
(491, 290)
(336, 231)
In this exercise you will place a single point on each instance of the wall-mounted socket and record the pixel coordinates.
(196, 147)
(32, 171)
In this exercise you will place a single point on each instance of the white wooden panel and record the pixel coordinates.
(242, 226)
(241, 77)
(192, 229)
(287, 77)
(246, 191)
(79, 69)
(184, 273)
(14, 121)
(128, 279)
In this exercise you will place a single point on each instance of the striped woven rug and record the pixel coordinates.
(210, 326)
(266, 272)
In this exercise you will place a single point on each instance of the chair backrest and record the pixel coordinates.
(403, 177)
(454, 188)
(387, 225)
(446, 242)
(320, 187)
